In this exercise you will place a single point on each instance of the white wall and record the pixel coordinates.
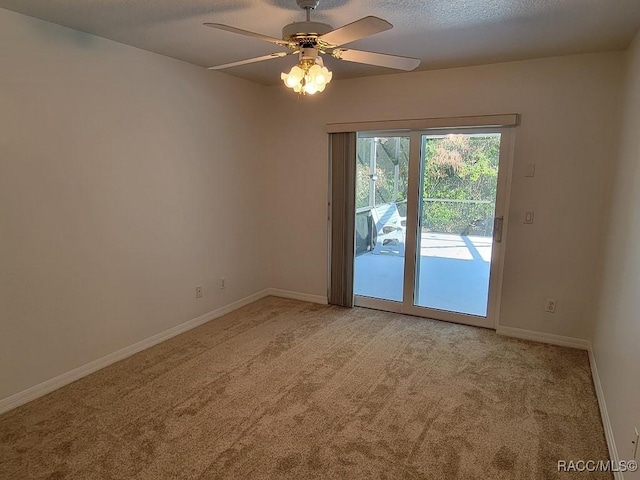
(126, 179)
(616, 339)
(569, 108)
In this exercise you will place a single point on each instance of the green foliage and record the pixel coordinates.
(456, 167)
(460, 167)
(391, 153)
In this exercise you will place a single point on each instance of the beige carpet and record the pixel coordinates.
(287, 389)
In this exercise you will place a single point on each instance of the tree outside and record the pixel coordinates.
(460, 182)
(391, 172)
(459, 179)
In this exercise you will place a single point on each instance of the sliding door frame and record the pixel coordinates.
(407, 306)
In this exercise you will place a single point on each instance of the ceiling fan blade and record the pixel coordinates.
(353, 31)
(379, 59)
(247, 33)
(251, 60)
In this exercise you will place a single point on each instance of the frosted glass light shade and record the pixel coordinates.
(307, 79)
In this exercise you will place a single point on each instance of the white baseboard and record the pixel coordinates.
(542, 337)
(305, 297)
(55, 383)
(606, 423)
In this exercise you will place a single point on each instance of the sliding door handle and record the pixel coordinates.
(497, 229)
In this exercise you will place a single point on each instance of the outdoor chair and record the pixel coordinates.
(390, 228)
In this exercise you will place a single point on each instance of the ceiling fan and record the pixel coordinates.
(310, 40)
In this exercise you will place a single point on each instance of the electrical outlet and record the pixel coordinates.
(550, 305)
(223, 283)
(198, 292)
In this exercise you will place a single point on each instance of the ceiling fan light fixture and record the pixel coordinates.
(308, 77)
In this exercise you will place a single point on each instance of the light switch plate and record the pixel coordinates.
(528, 217)
(531, 170)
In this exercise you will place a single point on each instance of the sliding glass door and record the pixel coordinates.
(382, 181)
(429, 222)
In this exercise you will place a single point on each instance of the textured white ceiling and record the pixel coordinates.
(442, 33)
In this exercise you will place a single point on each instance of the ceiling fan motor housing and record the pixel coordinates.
(300, 30)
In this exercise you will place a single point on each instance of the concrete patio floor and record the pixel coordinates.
(453, 273)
